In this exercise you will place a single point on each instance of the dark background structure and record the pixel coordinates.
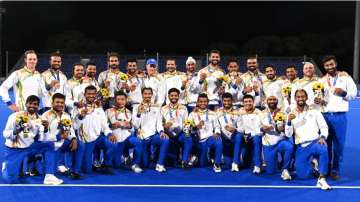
(181, 28)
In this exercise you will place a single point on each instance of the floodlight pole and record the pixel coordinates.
(357, 43)
(2, 11)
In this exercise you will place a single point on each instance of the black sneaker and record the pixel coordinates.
(316, 173)
(107, 170)
(34, 172)
(127, 160)
(184, 165)
(217, 168)
(22, 174)
(334, 175)
(74, 176)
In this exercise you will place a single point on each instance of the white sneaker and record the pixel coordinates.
(192, 160)
(160, 168)
(62, 169)
(217, 168)
(322, 184)
(50, 179)
(285, 175)
(234, 167)
(256, 170)
(136, 168)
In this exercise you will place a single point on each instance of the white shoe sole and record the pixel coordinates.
(54, 183)
(323, 188)
(137, 171)
(286, 179)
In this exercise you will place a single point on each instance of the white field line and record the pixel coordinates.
(176, 186)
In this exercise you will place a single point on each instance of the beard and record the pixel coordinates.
(147, 99)
(114, 66)
(272, 105)
(90, 99)
(214, 62)
(252, 68)
(31, 110)
(79, 75)
(132, 71)
(190, 69)
(59, 108)
(91, 74)
(270, 77)
(55, 67)
(331, 70)
(301, 103)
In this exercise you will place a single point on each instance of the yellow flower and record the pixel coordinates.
(104, 92)
(123, 77)
(22, 119)
(224, 78)
(286, 90)
(189, 122)
(25, 118)
(280, 116)
(18, 119)
(66, 122)
(318, 86)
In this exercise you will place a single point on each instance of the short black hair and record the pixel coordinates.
(202, 95)
(78, 64)
(301, 90)
(227, 95)
(90, 87)
(328, 58)
(271, 66)
(131, 60)
(248, 96)
(55, 54)
(146, 88)
(58, 96)
(120, 93)
(290, 67)
(33, 98)
(232, 60)
(251, 57)
(171, 59)
(214, 51)
(90, 64)
(112, 54)
(29, 52)
(174, 90)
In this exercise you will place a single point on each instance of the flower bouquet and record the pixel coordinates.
(318, 89)
(22, 124)
(279, 120)
(286, 91)
(65, 124)
(189, 124)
